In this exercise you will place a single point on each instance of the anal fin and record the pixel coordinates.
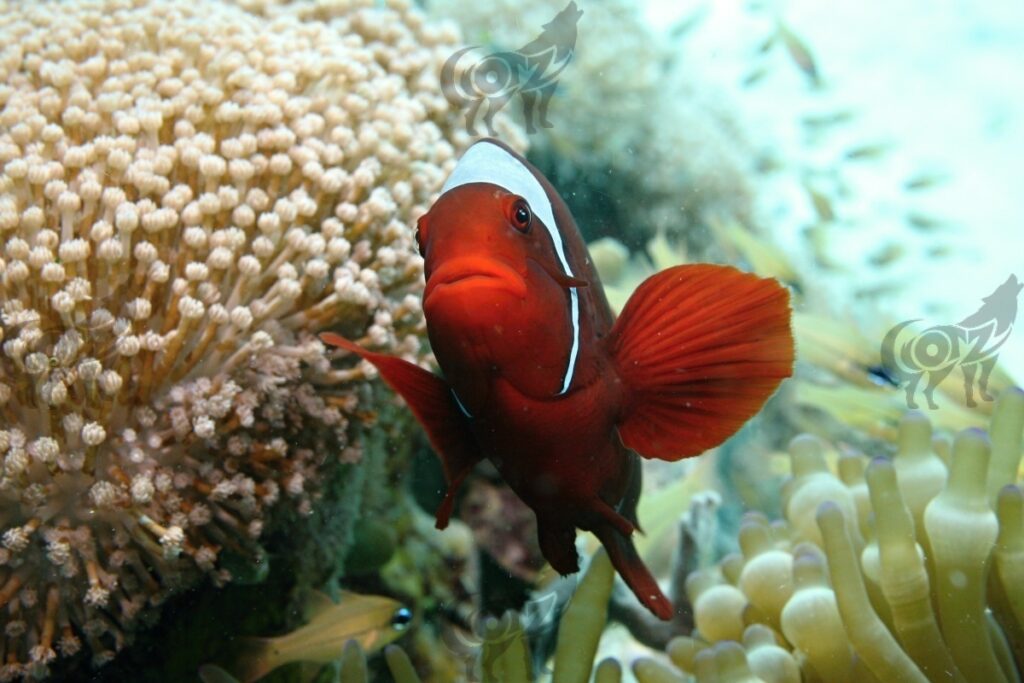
(431, 400)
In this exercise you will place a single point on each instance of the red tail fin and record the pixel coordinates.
(431, 401)
(699, 348)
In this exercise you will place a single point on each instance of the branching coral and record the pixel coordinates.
(894, 585)
(187, 196)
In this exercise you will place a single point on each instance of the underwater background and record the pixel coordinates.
(194, 487)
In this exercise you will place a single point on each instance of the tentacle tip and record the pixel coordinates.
(975, 433)
(880, 461)
(828, 509)
(1011, 490)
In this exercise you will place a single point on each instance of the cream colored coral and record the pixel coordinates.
(188, 194)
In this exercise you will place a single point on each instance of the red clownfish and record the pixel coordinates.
(540, 379)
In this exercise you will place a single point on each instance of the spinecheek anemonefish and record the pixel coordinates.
(543, 381)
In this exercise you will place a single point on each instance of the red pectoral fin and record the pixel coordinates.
(699, 349)
(431, 401)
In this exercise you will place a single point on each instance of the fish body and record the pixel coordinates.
(543, 381)
(370, 620)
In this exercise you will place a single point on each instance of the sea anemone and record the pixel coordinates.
(187, 196)
(896, 569)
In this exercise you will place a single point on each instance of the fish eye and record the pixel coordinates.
(401, 619)
(520, 215)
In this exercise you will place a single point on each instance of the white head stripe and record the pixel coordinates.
(486, 162)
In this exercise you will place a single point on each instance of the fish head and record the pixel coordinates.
(398, 621)
(488, 259)
(502, 277)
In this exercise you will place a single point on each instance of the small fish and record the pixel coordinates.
(800, 53)
(828, 119)
(925, 223)
(881, 376)
(877, 290)
(687, 24)
(869, 152)
(887, 254)
(822, 204)
(939, 251)
(768, 43)
(370, 620)
(755, 76)
(837, 346)
(543, 382)
(925, 180)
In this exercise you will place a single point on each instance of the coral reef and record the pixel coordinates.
(893, 569)
(188, 194)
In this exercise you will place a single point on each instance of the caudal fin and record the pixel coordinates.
(432, 402)
(699, 349)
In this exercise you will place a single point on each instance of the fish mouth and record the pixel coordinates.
(475, 272)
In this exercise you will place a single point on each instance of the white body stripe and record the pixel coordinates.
(459, 404)
(574, 310)
(486, 162)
